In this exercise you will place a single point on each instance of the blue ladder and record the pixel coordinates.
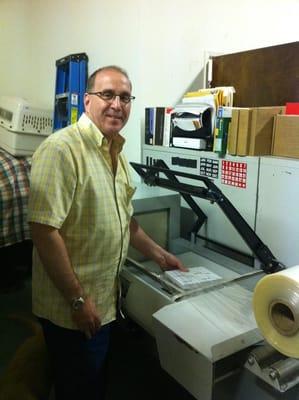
(71, 79)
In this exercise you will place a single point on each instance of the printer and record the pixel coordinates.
(207, 337)
(192, 126)
(22, 127)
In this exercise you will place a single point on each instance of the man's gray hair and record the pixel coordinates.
(91, 79)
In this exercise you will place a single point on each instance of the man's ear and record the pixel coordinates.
(86, 101)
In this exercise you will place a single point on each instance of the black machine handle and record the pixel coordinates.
(151, 176)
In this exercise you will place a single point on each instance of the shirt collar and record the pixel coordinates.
(91, 130)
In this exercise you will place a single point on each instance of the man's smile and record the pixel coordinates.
(117, 117)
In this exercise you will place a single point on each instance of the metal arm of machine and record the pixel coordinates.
(201, 216)
(150, 175)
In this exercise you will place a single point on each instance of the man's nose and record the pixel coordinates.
(116, 101)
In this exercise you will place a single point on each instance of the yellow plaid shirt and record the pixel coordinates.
(73, 188)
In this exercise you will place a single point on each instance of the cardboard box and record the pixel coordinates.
(251, 130)
(233, 133)
(286, 136)
(261, 129)
(244, 127)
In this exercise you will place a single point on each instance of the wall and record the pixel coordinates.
(161, 43)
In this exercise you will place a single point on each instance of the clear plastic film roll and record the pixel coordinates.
(276, 310)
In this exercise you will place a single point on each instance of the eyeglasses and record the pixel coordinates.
(110, 96)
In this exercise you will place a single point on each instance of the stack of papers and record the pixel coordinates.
(196, 277)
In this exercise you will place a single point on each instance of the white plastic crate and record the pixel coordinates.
(23, 127)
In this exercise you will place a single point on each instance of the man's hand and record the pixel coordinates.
(168, 261)
(150, 249)
(87, 319)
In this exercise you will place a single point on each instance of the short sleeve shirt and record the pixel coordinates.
(73, 188)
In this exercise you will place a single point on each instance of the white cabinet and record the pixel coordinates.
(278, 207)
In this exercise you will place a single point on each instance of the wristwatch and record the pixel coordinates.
(77, 303)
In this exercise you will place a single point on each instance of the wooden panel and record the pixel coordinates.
(264, 77)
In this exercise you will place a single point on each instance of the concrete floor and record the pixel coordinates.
(134, 369)
(14, 300)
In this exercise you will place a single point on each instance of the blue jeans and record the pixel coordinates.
(79, 364)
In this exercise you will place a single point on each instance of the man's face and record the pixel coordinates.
(109, 116)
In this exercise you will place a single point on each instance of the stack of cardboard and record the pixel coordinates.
(286, 136)
(250, 130)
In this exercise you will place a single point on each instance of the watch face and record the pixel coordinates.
(77, 303)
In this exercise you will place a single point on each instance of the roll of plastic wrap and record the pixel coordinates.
(276, 310)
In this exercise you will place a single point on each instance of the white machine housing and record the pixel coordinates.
(202, 342)
(22, 127)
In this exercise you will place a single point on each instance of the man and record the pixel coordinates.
(81, 221)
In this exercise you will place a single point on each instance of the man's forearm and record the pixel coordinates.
(148, 247)
(142, 242)
(53, 254)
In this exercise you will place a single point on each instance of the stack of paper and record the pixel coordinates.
(194, 278)
(213, 97)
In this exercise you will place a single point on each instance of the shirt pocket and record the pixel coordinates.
(130, 190)
(127, 201)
